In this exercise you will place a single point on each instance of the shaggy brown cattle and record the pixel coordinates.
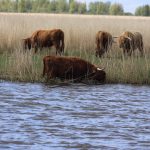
(104, 42)
(45, 39)
(130, 41)
(72, 68)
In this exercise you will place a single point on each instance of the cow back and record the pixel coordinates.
(68, 67)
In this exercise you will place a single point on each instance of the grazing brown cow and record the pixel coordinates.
(131, 41)
(104, 42)
(46, 38)
(71, 68)
(28, 43)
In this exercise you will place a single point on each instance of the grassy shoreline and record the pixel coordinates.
(80, 30)
(28, 67)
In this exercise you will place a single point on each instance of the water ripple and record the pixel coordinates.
(37, 116)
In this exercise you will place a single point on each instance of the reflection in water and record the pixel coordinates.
(37, 117)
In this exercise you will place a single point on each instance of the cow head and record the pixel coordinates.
(27, 43)
(99, 75)
(124, 41)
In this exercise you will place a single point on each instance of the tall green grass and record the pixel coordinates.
(20, 66)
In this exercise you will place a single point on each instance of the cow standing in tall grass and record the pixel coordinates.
(104, 42)
(129, 42)
(45, 39)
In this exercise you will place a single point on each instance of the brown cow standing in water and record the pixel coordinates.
(45, 39)
(72, 68)
(104, 42)
(129, 42)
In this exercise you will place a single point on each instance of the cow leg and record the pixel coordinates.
(59, 52)
(50, 75)
(97, 49)
(39, 46)
(101, 52)
(57, 46)
(141, 50)
(35, 46)
(62, 47)
(130, 52)
(125, 52)
(56, 49)
(96, 53)
(36, 49)
(44, 70)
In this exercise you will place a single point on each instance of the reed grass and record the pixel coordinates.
(80, 32)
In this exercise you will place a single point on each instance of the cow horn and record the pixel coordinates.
(100, 69)
(128, 38)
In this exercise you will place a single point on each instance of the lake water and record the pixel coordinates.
(78, 116)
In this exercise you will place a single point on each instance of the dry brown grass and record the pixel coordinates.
(79, 30)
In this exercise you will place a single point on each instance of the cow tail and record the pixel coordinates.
(142, 48)
(29, 43)
(101, 45)
(97, 44)
(142, 45)
(62, 43)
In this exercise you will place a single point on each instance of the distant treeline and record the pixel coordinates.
(69, 6)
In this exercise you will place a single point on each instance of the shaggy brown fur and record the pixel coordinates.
(46, 38)
(130, 41)
(27, 43)
(71, 68)
(104, 42)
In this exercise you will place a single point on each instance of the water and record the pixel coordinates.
(41, 117)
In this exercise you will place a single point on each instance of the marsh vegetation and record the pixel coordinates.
(80, 30)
